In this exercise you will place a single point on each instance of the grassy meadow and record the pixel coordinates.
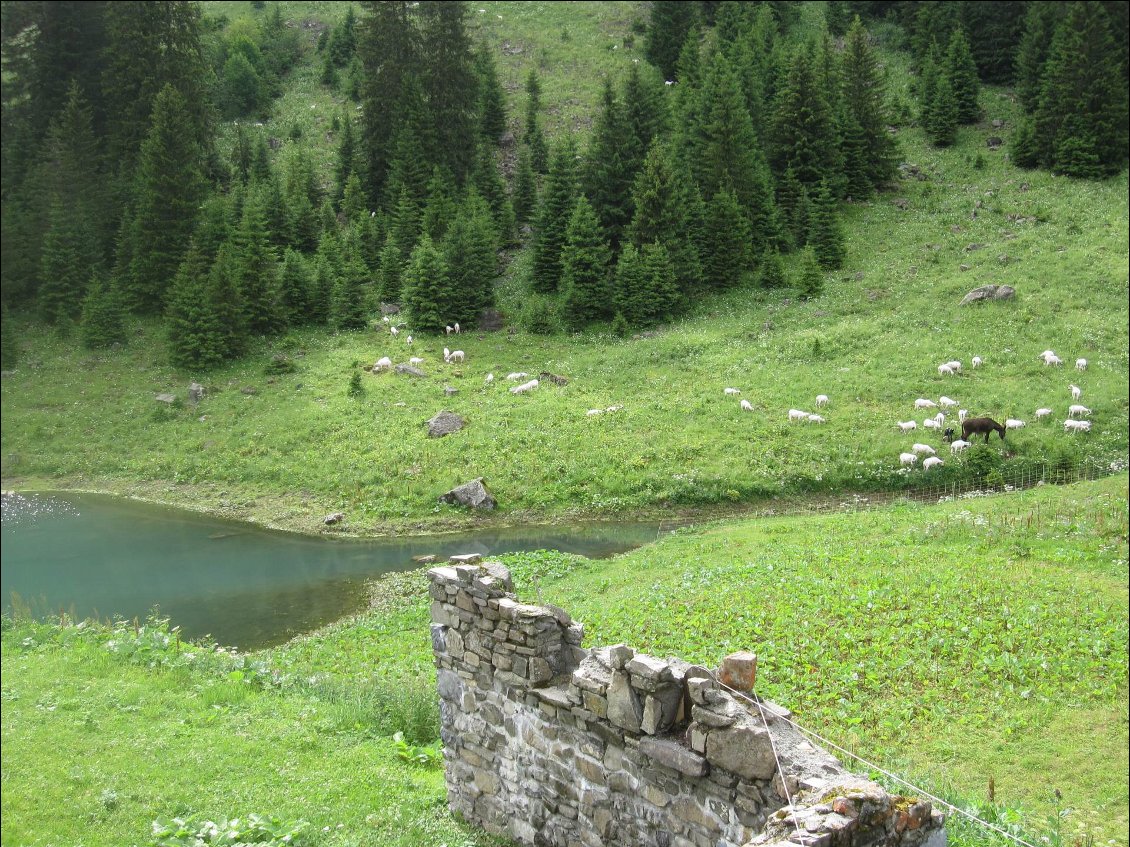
(955, 644)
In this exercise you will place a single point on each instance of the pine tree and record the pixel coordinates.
(427, 291)
(69, 254)
(170, 187)
(553, 218)
(794, 206)
(405, 225)
(204, 318)
(994, 31)
(1080, 125)
(825, 235)
(468, 252)
(671, 21)
(811, 282)
(103, 314)
(346, 164)
(584, 267)
(539, 151)
(609, 171)
(870, 153)
(771, 271)
(525, 188)
(492, 101)
(391, 271)
(255, 271)
(450, 84)
(350, 304)
(440, 208)
(942, 126)
(803, 134)
(75, 174)
(662, 292)
(629, 287)
(727, 250)
(242, 91)
(661, 201)
(296, 283)
(353, 200)
(302, 223)
(1040, 24)
(487, 180)
(961, 72)
(928, 77)
(321, 291)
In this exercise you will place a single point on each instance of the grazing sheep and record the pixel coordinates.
(907, 426)
(923, 403)
(489, 379)
(1080, 364)
(594, 412)
(821, 400)
(956, 365)
(394, 330)
(456, 356)
(730, 391)
(930, 423)
(931, 462)
(945, 370)
(940, 417)
(1045, 354)
(747, 406)
(797, 415)
(1042, 413)
(976, 360)
(959, 445)
(907, 458)
(385, 319)
(446, 354)
(961, 415)
(1077, 411)
(514, 376)
(922, 448)
(448, 330)
(524, 387)
(816, 419)
(415, 360)
(408, 340)
(616, 408)
(384, 363)
(946, 402)
(1076, 426)
(1053, 359)
(1013, 423)
(457, 329)
(1076, 392)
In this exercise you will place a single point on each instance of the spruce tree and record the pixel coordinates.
(1080, 125)
(204, 321)
(726, 254)
(440, 207)
(406, 223)
(296, 283)
(771, 271)
(533, 137)
(553, 218)
(242, 91)
(255, 270)
(825, 235)
(942, 126)
(870, 153)
(525, 188)
(629, 286)
(671, 22)
(793, 205)
(803, 133)
(450, 84)
(103, 314)
(69, 254)
(487, 180)
(426, 288)
(584, 267)
(961, 72)
(1040, 24)
(609, 169)
(810, 283)
(321, 291)
(391, 271)
(353, 200)
(492, 101)
(928, 76)
(346, 164)
(170, 186)
(468, 252)
(662, 291)
(350, 304)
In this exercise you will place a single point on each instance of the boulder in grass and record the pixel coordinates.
(989, 292)
(472, 494)
(444, 423)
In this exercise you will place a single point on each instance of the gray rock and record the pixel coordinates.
(390, 309)
(195, 393)
(331, 519)
(546, 376)
(994, 142)
(624, 708)
(989, 292)
(472, 494)
(408, 369)
(448, 391)
(674, 756)
(742, 750)
(444, 423)
(490, 320)
(167, 399)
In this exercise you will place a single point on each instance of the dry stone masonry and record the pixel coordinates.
(549, 743)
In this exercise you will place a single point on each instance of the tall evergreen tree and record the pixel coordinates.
(584, 267)
(533, 137)
(74, 163)
(204, 319)
(350, 305)
(553, 217)
(994, 31)
(391, 271)
(941, 127)
(811, 280)
(255, 270)
(662, 216)
(961, 72)
(441, 205)
(771, 271)
(103, 313)
(671, 21)
(803, 135)
(1040, 24)
(727, 253)
(346, 164)
(525, 188)
(793, 205)
(426, 288)
(492, 101)
(69, 254)
(488, 182)
(929, 73)
(870, 153)
(662, 292)
(468, 252)
(609, 168)
(242, 91)
(450, 84)
(297, 288)
(170, 186)
(630, 292)
(825, 235)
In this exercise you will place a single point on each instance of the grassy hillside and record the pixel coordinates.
(954, 644)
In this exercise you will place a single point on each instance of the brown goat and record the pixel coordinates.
(980, 426)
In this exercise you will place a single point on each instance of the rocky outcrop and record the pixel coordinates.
(472, 494)
(989, 292)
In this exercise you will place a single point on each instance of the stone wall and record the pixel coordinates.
(551, 744)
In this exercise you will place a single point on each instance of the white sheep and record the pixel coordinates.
(945, 370)
(922, 448)
(1045, 354)
(730, 391)
(1013, 423)
(816, 419)
(923, 403)
(940, 417)
(394, 330)
(956, 365)
(524, 387)
(959, 445)
(446, 354)
(907, 459)
(1042, 413)
(1076, 392)
(616, 408)
(930, 423)
(591, 413)
(448, 329)
(1080, 364)
(457, 329)
(385, 319)
(931, 462)
(415, 360)
(1052, 360)
(1076, 426)
(408, 340)
(962, 414)
(517, 375)
(797, 415)
(976, 360)
(907, 426)
(456, 356)
(821, 400)
(384, 363)
(946, 402)
(1077, 411)
(489, 379)
(746, 406)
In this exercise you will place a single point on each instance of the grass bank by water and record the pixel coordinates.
(954, 643)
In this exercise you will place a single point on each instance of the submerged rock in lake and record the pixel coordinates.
(472, 494)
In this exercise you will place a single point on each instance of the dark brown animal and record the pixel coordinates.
(980, 426)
